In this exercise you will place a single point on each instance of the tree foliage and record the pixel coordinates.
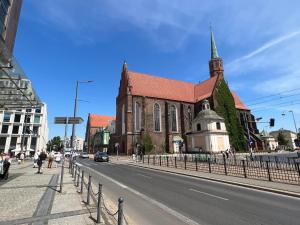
(147, 143)
(55, 144)
(225, 107)
(281, 139)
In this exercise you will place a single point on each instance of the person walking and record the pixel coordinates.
(22, 157)
(39, 163)
(50, 160)
(57, 159)
(35, 158)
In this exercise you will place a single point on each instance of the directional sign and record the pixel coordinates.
(68, 120)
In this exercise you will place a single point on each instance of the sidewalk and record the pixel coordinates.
(30, 198)
(280, 188)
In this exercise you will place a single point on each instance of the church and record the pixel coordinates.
(165, 108)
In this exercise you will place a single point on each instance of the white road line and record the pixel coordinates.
(144, 176)
(215, 196)
(181, 217)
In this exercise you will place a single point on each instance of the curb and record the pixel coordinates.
(276, 191)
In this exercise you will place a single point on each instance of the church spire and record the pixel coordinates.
(213, 47)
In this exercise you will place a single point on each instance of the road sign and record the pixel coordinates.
(68, 120)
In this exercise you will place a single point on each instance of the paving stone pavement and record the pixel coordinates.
(30, 198)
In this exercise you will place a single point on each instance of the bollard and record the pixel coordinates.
(268, 170)
(82, 180)
(298, 168)
(185, 162)
(167, 161)
(225, 167)
(99, 204)
(72, 170)
(148, 159)
(153, 160)
(70, 166)
(244, 167)
(209, 166)
(89, 190)
(75, 174)
(196, 161)
(143, 159)
(160, 160)
(120, 211)
(77, 185)
(175, 162)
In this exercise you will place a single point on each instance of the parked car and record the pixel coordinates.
(101, 157)
(84, 155)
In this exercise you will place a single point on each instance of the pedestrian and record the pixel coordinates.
(22, 157)
(39, 163)
(35, 158)
(6, 165)
(1, 166)
(227, 154)
(57, 159)
(50, 160)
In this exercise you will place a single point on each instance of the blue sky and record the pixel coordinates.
(61, 41)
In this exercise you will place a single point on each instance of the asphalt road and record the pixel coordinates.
(176, 199)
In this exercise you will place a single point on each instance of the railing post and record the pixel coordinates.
(82, 180)
(298, 168)
(175, 162)
(196, 161)
(77, 185)
(99, 204)
(268, 170)
(120, 211)
(244, 168)
(72, 170)
(209, 165)
(225, 167)
(153, 160)
(148, 159)
(70, 164)
(167, 161)
(89, 190)
(185, 162)
(143, 158)
(160, 160)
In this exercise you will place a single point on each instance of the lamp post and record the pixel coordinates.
(75, 109)
(291, 111)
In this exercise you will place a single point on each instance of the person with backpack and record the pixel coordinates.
(39, 163)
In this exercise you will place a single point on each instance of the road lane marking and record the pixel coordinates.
(181, 217)
(205, 193)
(139, 174)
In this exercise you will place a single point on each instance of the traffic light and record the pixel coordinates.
(272, 122)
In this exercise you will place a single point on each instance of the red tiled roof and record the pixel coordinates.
(238, 103)
(158, 87)
(163, 88)
(100, 120)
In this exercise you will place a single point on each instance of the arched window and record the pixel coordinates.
(190, 118)
(198, 127)
(137, 114)
(156, 113)
(123, 119)
(173, 114)
(218, 125)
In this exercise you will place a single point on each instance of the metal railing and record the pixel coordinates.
(276, 171)
(79, 173)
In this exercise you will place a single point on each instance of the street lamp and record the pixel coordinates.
(291, 111)
(75, 108)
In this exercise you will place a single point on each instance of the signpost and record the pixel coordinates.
(66, 121)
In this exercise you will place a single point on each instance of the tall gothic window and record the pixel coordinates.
(190, 118)
(173, 114)
(123, 119)
(156, 117)
(137, 117)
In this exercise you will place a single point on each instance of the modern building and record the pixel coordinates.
(290, 136)
(78, 143)
(209, 132)
(95, 123)
(165, 108)
(24, 129)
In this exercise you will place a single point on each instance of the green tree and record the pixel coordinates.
(281, 139)
(147, 143)
(55, 144)
(225, 107)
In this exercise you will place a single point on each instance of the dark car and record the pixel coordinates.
(101, 157)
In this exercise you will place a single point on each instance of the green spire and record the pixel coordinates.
(213, 47)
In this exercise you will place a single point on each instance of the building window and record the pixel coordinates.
(190, 117)
(26, 130)
(37, 119)
(137, 118)
(3, 12)
(4, 129)
(218, 125)
(15, 130)
(123, 119)
(25, 141)
(35, 130)
(173, 114)
(17, 118)
(156, 117)
(33, 143)
(6, 117)
(198, 127)
(38, 110)
(2, 143)
(27, 119)
(13, 143)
